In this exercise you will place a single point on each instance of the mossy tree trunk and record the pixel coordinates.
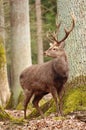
(21, 50)
(4, 87)
(76, 42)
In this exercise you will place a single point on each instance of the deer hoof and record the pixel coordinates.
(58, 114)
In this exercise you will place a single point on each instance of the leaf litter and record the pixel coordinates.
(48, 123)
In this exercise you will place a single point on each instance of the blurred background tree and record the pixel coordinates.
(4, 86)
(48, 11)
(39, 31)
(20, 43)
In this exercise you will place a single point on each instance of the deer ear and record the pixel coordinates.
(62, 45)
(51, 44)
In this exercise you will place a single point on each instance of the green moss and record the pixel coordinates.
(59, 118)
(2, 53)
(20, 101)
(21, 97)
(19, 106)
(4, 115)
(18, 121)
(10, 102)
(75, 99)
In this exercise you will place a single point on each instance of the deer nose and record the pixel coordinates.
(44, 53)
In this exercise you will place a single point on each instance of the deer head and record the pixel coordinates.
(57, 47)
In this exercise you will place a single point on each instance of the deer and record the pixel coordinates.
(48, 77)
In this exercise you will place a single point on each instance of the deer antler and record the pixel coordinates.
(67, 32)
(53, 36)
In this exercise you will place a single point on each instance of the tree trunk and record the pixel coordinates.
(21, 49)
(75, 44)
(4, 87)
(39, 31)
(2, 23)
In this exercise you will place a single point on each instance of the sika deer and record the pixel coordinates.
(49, 77)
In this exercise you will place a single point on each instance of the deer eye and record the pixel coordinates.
(54, 48)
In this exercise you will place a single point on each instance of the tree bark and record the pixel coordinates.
(4, 86)
(2, 22)
(39, 31)
(75, 44)
(21, 48)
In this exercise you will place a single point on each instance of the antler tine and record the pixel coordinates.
(50, 39)
(67, 32)
(57, 25)
(52, 36)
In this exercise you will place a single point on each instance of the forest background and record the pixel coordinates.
(23, 28)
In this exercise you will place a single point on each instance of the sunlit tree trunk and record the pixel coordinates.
(39, 31)
(76, 42)
(4, 87)
(21, 49)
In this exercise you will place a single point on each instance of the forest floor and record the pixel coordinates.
(49, 123)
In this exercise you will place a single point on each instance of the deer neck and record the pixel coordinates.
(60, 65)
(61, 55)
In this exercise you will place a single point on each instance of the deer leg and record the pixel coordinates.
(28, 95)
(56, 99)
(35, 102)
(60, 105)
(61, 94)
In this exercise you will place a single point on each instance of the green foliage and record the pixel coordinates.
(2, 53)
(49, 11)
